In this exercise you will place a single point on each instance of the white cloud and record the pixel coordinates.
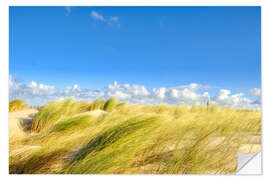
(95, 15)
(37, 94)
(159, 93)
(127, 92)
(182, 94)
(99, 17)
(223, 95)
(32, 92)
(257, 93)
(225, 98)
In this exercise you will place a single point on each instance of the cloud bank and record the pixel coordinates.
(38, 94)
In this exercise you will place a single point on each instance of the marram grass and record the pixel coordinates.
(16, 105)
(132, 139)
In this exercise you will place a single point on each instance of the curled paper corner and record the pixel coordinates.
(249, 164)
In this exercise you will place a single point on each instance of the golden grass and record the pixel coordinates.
(132, 139)
(16, 105)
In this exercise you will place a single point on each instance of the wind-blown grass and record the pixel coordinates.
(133, 139)
(52, 112)
(55, 111)
(98, 104)
(16, 105)
(110, 104)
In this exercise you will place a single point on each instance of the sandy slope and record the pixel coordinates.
(95, 113)
(251, 144)
(19, 122)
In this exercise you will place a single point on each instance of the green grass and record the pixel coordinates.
(110, 104)
(53, 112)
(98, 104)
(16, 105)
(132, 139)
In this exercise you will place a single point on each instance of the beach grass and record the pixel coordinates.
(132, 139)
(17, 104)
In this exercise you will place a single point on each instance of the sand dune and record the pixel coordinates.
(96, 113)
(20, 122)
(251, 144)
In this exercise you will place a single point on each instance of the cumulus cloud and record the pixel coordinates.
(99, 17)
(37, 94)
(182, 94)
(225, 98)
(257, 93)
(127, 92)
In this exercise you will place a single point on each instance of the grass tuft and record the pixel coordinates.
(16, 105)
(97, 104)
(110, 104)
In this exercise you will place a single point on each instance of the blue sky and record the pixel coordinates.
(151, 46)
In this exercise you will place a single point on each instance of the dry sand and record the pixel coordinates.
(95, 113)
(20, 122)
(251, 144)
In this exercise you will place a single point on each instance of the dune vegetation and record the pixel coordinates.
(111, 137)
(17, 104)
